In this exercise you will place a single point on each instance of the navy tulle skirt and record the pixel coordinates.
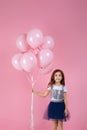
(55, 110)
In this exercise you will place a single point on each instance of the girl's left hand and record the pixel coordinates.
(66, 112)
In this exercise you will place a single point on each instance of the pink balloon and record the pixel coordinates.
(48, 42)
(21, 43)
(16, 61)
(28, 61)
(45, 70)
(34, 38)
(45, 57)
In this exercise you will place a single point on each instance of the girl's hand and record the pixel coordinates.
(33, 91)
(66, 112)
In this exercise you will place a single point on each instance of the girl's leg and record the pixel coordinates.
(55, 124)
(60, 125)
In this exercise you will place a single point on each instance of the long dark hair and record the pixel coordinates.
(52, 81)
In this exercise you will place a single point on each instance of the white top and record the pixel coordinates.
(57, 92)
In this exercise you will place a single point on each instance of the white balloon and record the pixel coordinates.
(28, 61)
(45, 57)
(16, 61)
(21, 43)
(34, 38)
(48, 42)
(45, 70)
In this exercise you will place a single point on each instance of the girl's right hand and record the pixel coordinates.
(33, 91)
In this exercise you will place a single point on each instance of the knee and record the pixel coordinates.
(60, 124)
(55, 124)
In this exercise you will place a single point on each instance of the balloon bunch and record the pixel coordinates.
(35, 50)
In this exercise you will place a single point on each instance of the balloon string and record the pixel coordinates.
(32, 112)
(32, 108)
(32, 105)
(31, 79)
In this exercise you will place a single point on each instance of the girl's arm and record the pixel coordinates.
(65, 100)
(44, 94)
(66, 104)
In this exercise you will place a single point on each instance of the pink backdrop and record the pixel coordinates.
(66, 22)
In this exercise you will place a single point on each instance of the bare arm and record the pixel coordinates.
(66, 104)
(65, 100)
(44, 94)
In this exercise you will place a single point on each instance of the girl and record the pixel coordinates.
(58, 108)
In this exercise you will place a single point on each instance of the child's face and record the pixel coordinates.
(57, 77)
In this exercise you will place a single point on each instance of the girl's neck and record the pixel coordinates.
(58, 83)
